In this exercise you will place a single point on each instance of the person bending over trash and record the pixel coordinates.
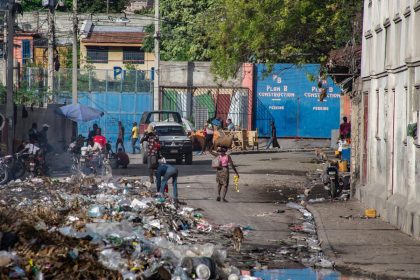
(122, 158)
(167, 171)
(221, 162)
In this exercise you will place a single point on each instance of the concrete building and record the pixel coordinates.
(138, 5)
(106, 47)
(389, 160)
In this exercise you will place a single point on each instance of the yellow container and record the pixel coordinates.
(342, 166)
(370, 213)
(337, 153)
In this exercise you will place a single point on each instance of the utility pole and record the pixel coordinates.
(156, 90)
(107, 7)
(9, 82)
(74, 61)
(4, 77)
(51, 43)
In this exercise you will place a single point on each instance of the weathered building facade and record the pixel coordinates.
(389, 160)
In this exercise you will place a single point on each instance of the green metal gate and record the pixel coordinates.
(198, 104)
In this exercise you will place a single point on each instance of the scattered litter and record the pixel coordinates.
(370, 213)
(316, 200)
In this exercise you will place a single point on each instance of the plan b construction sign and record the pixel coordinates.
(289, 95)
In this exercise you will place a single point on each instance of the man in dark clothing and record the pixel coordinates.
(167, 171)
(33, 133)
(273, 138)
(93, 132)
(43, 138)
(120, 139)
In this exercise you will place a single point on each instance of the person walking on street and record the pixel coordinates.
(134, 136)
(222, 172)
(153, 147)
(167, 171)
(273, 138)
(120, 139)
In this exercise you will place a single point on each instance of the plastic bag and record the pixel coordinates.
(96, 211)
(215, 163)
(236, 182)
(5, 258)
(112, 259)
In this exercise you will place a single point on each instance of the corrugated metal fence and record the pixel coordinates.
(123, 97)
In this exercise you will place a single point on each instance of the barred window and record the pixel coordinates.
(133, 55)
(97, 54)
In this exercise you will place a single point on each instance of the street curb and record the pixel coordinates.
(322, 236)
(339, 264)
(251, 152)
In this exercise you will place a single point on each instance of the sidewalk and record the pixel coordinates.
(370, 247)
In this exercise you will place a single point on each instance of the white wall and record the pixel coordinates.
(390, 74)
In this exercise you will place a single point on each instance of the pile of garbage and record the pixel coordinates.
(115, 230)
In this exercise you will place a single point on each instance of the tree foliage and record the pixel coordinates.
(271, 31)
(184, 32)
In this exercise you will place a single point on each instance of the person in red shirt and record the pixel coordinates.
(345, 129)
(99, 138)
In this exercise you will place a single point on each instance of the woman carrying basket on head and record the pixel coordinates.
(221, 162)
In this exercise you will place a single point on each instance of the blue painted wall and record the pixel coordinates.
(287, 96)
(125, 107)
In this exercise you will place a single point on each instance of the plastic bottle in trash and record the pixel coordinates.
(39, 275)
(203, 272)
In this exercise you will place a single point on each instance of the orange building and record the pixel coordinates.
(23, 47)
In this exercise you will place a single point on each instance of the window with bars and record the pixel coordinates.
(133, 55)
(97, 54)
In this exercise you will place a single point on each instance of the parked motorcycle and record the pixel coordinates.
(13, 167)
(88, 163)
(334, 185)
(332, 181)
(36, 165)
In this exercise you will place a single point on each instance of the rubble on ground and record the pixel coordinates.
(90, 229)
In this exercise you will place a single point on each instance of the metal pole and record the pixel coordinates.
(157, 58)
(74, 60)
(9, 83)
(4, 77)
(50, 51)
